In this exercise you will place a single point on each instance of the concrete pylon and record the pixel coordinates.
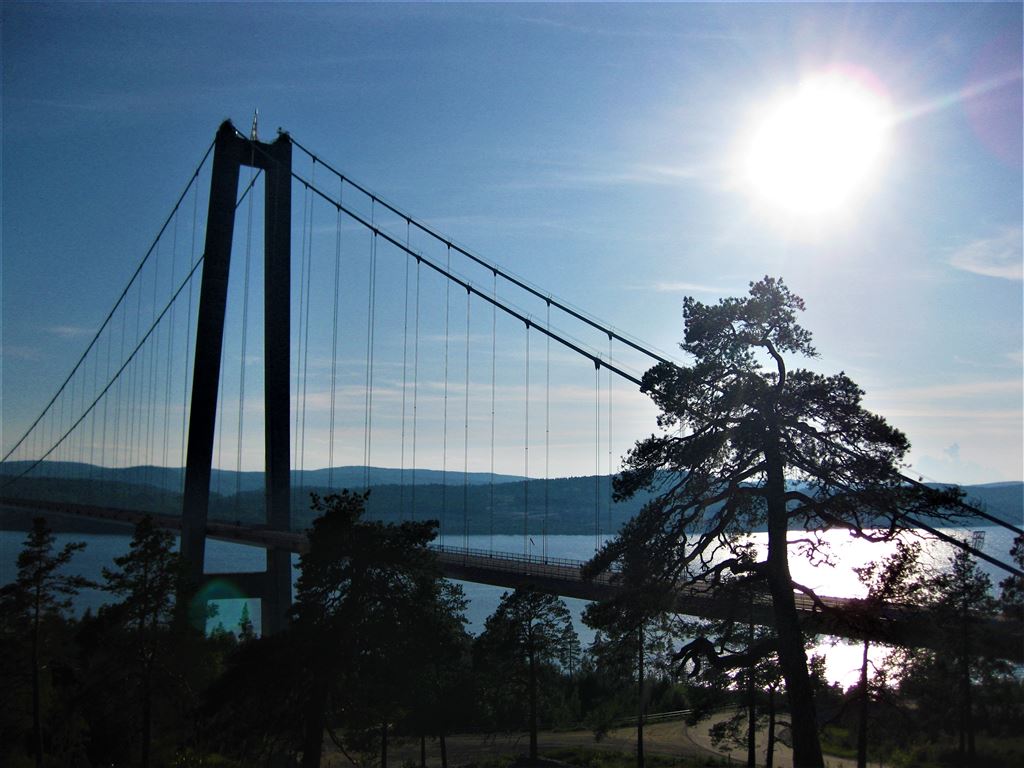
(231, 151)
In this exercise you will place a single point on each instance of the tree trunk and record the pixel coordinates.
(792, 657)
(751, 721)
(37, 726)
(533, 707)
(444, 751)
(423, 750)
(313, 733)
(862, 723)
(751, 710)
(147, 714)
(383, 745)
(769, 758)
(640, 698)
(968, 703)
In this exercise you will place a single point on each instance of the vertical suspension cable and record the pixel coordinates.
(67, 446)
(465, 439)
(415, 385)
(170, 360)
(305, 345)
(154, 346)
(597, 455)
(220, 420)
(121, 380)
(150, 446)
(405, 361)
(188, 338)
(134, 382)
(106, 401)
(609, 527)
(444, 418)
(526, 453)
(92, 433)
(494, 350)
(370, 318)
(334, 331)
(547, 433)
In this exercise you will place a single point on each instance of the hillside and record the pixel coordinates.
(470, 504)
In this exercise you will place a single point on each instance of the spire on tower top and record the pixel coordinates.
(255, 119)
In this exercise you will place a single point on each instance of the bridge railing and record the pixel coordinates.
(562, 567)
(510, 556)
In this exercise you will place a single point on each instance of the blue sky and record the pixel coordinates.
(589, 148)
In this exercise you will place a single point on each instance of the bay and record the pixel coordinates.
(835, 577)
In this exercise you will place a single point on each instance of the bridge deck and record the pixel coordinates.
(893, 623)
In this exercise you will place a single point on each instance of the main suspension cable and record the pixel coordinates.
(483, 294)
(562, 306)
(117, 303)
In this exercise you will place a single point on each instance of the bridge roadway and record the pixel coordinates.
(904, 625)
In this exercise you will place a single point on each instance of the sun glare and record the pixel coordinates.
(812, 151)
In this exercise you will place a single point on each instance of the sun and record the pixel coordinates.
(813, 151)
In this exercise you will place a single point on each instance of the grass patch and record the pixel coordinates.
(591, 758)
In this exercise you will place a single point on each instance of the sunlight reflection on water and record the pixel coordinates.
(847, 552)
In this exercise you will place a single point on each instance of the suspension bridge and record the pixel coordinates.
(383, 341)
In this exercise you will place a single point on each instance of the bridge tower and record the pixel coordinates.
(231, 151)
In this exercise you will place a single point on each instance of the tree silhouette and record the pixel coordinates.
(747, 442)
(40, 592)
(437, 675)
(362, 586)
(962, 596)
(897, 579)
(1011, 598)
(147, 579)
(635, 633)
(528, 631)
(246, 632)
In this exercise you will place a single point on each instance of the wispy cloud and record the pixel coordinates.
(69, 331)
(627, 175)
(952, 391)
(617, 29)
(997, 256)
(672, 286)
(13, 351)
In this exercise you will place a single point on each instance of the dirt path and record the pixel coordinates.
(672, 739)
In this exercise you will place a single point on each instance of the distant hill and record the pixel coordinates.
(570, 505)
(228, 481)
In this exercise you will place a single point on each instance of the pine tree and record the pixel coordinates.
(147, 579)
(527, 631)
(40, 592)
(245, 628)
(746, 442)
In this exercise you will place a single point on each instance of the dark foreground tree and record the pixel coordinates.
(41, 593)
(528, 632)
(636, 633)
(896, 579)
(748, 443)
(147, 580)
(1011, 598)
(364, 591)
